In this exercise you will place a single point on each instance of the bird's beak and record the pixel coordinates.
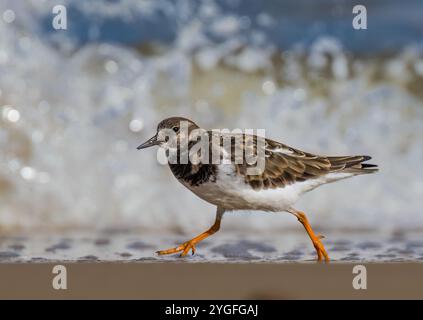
(149, 143)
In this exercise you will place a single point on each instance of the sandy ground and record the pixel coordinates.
(223, 247)
(211, 281)
(113, 265)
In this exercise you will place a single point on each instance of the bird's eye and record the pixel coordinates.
(176, 129)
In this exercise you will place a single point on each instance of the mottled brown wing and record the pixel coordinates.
(285, 165)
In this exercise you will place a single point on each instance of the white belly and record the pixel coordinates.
(232, 193)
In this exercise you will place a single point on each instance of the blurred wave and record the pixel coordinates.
(75, 104)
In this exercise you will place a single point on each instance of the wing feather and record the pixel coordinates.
(285, 165)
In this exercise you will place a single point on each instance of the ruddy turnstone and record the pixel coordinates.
(229, 184)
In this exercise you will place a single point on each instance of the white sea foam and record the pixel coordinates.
(83, 107)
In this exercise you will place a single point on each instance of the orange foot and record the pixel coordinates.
(185, 248)
(315, 239)
(320, 249)
(190, 245)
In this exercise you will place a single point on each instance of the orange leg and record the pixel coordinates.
(316, 239)
(190, 245)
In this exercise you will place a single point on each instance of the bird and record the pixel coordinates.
(230, 182)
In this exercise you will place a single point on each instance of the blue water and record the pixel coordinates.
(391, 24)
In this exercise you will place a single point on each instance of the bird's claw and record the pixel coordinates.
(320, 249)
(185, 248)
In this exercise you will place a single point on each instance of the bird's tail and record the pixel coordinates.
(352, 164)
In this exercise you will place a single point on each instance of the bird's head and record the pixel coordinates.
(170, 132)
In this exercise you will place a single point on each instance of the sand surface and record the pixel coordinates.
(223, 247)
